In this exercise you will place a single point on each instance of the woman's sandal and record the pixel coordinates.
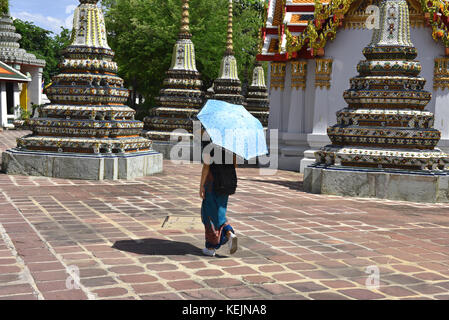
(232, 243)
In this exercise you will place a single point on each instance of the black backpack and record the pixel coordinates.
(225, 178)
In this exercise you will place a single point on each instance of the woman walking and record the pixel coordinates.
(218, 181)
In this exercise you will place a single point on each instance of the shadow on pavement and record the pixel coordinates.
(157, 247)
(293, 185)
(160, 247)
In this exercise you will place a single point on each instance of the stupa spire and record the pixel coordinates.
(229, 40)
(181, 97)
(228, 86)
(185, 21)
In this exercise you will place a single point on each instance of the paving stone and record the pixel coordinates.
(223, 282)
(327, 296)
(202, 295)
(307, 286)
(110, 292)
(396, 291)
(240, 293)
(361, 294)
(184, 285)
(149, 288)
(137, 278)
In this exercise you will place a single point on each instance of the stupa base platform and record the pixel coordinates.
(80, 166)
(415, 186)
(161, 142)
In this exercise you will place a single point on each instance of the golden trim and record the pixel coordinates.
(323, 72)
(299, 74)
(277, 75)
(441, 74)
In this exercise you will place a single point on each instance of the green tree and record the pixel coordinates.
(143, 32)
(44, 44)
(4, 6)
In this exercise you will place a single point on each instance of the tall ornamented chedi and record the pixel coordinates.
(87, 115)
(385, 124)
(182, 97)
(228, 86)
(257, 102)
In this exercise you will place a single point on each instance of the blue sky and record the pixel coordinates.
(47, 14)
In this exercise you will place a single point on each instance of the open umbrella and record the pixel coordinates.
(232, 127)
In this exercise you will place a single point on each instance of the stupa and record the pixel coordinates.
(227, 87)
(182, 96)
(384, 143)
(257, 102)
(23, 94)
(86, 132)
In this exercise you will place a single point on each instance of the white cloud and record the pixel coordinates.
(48, 22)
(69, 20)
(70, 8)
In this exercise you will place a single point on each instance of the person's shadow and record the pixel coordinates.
(158, 247)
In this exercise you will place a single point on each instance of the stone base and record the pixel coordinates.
(165, 148)
(416, 186)
(309, 159)
(80, 166)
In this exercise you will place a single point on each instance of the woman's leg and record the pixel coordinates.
(213, 215)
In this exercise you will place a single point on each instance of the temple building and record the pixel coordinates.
(227, 87)
(313, 48)
(86, 132)
(12, 82)
(22, 93)
(257, 102)
(384, 142)
(181, 97)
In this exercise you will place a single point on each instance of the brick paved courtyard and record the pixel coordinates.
(293, 245)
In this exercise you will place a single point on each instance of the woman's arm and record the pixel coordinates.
(235, 161)
(204, 174)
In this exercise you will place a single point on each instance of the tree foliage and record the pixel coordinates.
(143, 32)
(4, 6)
(44, 44)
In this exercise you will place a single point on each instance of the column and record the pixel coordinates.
(17, 108)
(277, 83)
(298, 87)
(318, 138)
(293, 139)
(440, 84)
(3, 106)
(35, 87)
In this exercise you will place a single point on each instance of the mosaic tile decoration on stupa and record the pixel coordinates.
(385, 125)
(182, 96)
(257, 101)
(87, 113)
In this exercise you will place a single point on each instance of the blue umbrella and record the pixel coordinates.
(232, 127)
